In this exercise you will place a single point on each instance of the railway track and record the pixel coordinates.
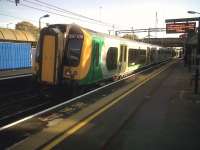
(15, 87)
(25, 103)
(13, 111)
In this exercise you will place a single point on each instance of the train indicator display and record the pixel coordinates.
(75, 36)
(180, 27)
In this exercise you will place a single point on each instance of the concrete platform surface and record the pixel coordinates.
(162, 114)
(168, 121)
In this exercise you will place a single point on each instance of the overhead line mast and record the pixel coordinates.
(16, 2)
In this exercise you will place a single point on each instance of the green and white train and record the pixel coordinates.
(70, 53)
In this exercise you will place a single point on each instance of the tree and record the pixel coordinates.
(27, 26)
(130, 36)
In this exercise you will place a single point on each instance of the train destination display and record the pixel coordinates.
(180, 27)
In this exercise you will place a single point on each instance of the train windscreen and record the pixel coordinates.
(73, 48)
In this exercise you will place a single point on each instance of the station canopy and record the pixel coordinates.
(16, 35)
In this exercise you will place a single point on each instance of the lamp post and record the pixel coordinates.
(197, 53)
(45, 16)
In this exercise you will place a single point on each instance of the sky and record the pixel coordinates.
(119, 14)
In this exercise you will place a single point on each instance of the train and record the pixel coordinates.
(71, 54)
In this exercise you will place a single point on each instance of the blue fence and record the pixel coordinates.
(15, 55)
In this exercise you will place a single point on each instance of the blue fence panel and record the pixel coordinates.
(15, 55)
(24, 57)
(21, 56)
(9, 55)
(29, 60)
(6, 56)
(19, 60)
(1, 57)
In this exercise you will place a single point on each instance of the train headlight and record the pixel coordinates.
(68, 73)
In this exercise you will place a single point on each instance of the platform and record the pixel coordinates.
(162, 113)
(15, 73)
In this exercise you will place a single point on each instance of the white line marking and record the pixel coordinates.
(18, 76)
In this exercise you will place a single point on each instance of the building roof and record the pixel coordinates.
(16, 35)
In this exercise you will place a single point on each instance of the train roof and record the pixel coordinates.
(16, 35)
(65, 27)
(116, 37)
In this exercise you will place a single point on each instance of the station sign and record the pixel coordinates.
(180, 27)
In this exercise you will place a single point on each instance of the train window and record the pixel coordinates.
(121, 53)
(132, 56)
(142, 52)
(111, 59)
(125, 53)
(73, 49)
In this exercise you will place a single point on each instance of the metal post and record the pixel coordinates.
(40, 23)
(47, 15)
(149, 35)
(197, 60)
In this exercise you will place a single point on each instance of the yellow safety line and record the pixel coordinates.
(93, 116)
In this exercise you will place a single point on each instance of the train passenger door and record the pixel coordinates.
(96, 46)
(52, 49)
(148, 56)
(123, 58)
(48, 58)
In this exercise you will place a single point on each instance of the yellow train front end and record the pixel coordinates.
(63, 54)
(48, 60)
(77, 54)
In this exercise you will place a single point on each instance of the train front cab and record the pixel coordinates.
(49, 57)
(77, 55)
